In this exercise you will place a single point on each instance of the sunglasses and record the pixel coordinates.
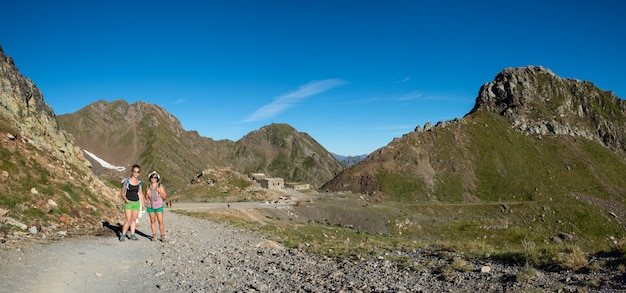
(136, 172)
(154, 177)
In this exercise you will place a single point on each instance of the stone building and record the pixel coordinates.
(272, 183)
(297, 186)
(257, 176)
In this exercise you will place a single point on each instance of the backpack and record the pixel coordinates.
(151, 202)
(127, 180)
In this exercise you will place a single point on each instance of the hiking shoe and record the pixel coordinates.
(123, 237)
(163, 238)
(133, 237)
(153, 237)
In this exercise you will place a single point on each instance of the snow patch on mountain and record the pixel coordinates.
(104, 163)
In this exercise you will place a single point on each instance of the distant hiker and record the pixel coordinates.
(155, 197)
(133, 200)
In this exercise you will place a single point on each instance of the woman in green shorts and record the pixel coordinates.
(133, 200)
(155, 196)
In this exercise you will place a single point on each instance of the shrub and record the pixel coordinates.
(528, 273)
(573, 258)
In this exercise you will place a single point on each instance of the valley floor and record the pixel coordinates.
(204, 256)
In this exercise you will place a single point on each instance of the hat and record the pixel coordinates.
(155, 173)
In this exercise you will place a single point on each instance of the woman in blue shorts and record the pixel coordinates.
(155, 196)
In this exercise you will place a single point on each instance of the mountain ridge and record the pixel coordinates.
(526, 118)
(47, 186)
(124, 134)
(349, 160)
(538, 102)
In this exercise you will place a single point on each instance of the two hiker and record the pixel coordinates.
(134, 199)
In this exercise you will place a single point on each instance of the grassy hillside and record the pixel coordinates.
(124, 134)
(221, 185)
(281, 151)
(146, 134)
(39, 191)
(479, 186)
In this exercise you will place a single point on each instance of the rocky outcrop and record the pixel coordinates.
(43, 165)
(22, 106)
(533, 100)
(538, 102)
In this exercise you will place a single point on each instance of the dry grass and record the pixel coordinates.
(342, 226)
(461, 265)
(528, 273)
(573, 258)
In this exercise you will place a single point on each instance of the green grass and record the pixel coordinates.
(229, 190)
(11, 199)
(238, 182)
(320, 238)
(515, 232)
(30, 185)
(510, 166)
(526, 274)
(512, 189)
(402, 188)
(491, 164)
(449, 187)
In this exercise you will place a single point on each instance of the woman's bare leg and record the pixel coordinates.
(133, 221)
(152, 223)
(161, 227)
(128, 215)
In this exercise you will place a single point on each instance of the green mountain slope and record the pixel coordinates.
(123, 134)
(516, 145)
(280, 150)
(547, 152)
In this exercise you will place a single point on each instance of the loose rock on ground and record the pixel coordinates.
(203, 256)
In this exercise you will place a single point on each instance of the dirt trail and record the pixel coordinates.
(99, 264)
(204, 256)
(89, 264)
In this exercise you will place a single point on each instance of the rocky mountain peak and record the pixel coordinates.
(526, 119)
(46, 183)
(538, 102)
(22, 105)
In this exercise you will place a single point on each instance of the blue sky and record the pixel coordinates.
(353, 74)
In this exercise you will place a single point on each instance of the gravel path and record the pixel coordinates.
(203, 256)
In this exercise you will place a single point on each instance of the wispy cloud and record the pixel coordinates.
(451, 97)
(375, 128)
(179, 101)
(393, 127)
(286, 101)
(410, 96)
(406, 79)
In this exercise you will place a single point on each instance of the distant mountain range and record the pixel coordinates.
(349, 160)
(123, 134)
